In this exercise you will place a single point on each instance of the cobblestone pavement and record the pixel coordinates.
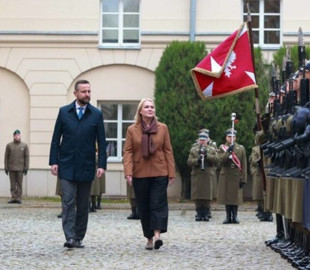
(32, 238)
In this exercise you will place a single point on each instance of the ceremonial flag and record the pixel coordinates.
(228, 69)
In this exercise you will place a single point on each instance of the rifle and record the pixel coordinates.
(202, 152)
(304, 83)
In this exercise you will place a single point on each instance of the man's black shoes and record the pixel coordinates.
(79, 244)
(70, 243)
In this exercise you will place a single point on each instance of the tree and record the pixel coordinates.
(281, 53)
(179, 106)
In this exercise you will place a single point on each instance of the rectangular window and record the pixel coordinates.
(266, 21)
(120, 23)
(117, 118)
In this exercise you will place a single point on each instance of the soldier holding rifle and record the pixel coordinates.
(202, 158)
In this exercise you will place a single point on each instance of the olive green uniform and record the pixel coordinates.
(202, 180)
(16, 162)
(229, 191)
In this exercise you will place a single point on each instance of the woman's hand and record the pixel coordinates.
(129, 179)
(171, 181)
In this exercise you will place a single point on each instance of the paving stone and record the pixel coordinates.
(32, 238)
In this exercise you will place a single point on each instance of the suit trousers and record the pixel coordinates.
(16, 179)
(75, 198)
(151, 197)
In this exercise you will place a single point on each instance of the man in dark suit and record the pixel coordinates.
(78, 127)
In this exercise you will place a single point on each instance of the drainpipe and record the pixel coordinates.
(192, 30)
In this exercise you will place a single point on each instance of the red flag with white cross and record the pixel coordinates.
(228, 69)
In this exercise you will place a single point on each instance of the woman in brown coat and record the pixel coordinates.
(233, 176)
(149, 166)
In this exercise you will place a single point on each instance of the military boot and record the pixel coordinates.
(93, 204)
(98, 206)
(134, 213)
(227, 220)
(235, 219)
(209, 214)
(199, 215)
(267, 216)
(205, 216)
(260, 212)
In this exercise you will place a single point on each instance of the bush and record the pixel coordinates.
(179, 106)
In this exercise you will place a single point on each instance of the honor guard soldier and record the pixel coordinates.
(233, 176)
(16, 163)
(202, 158)
(257, 185)
(215, 166)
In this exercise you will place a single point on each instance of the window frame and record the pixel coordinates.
(262, 28)
(119, 121)
(120, 44)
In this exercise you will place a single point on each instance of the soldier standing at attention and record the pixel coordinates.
(202, 158)
(257, 184)
(16, 163)
(233, 176)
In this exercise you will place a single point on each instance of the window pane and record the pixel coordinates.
(131, 5)
(110, 36)
(254, 6)
(272, 6)
(255, 37)
(131, 36)
(110, 130)
(110, 20)
(124, 129)
(109, 111)
(272, 37)
(272, 21)
(112, 148)
(255, 20)
(131, 20)
(110, 5)
(129, 111)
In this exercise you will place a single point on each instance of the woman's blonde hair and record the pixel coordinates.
(138, 116)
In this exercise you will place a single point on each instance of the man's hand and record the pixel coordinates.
(54, 169)
(231, 148)
(100, 172)
(25, 172)
(129, 179)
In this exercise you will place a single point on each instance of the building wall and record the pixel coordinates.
(45, 46)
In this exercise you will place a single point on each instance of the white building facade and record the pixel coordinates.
(45, 46)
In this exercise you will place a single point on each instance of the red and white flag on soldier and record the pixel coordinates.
(228, 69)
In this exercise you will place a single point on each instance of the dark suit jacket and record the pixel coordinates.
(73, 145)
(159, 164)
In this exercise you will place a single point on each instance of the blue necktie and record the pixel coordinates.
(80, 114)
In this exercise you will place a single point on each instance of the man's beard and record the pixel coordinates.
(83, 101)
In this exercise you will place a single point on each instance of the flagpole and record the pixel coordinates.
(257, 109)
